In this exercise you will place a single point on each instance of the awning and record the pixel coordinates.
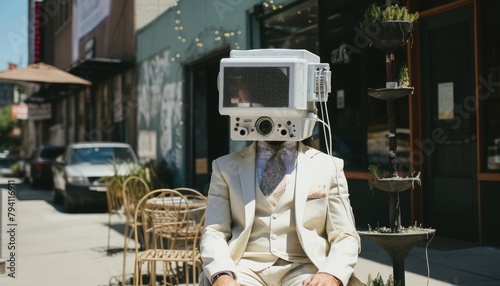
(42, 73)
(98, 69)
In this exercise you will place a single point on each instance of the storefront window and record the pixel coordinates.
(489, 85)
(295, 27)
(331, 30)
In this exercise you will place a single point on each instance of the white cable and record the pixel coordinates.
(326, 110)
(328, 142)
(427, 259)
(322, 100)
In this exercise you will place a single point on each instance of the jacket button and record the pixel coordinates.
(274, 236)
(275, 215)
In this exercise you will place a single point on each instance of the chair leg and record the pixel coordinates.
(165, 273)
(152, 274)
(109, 232)
(137, 273)
(125, 250)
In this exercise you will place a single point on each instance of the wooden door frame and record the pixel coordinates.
(415, 108)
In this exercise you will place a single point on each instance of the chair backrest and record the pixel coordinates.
(197, 204)
(161, 215)
(134, 188)
(198, 201)
(114, 200)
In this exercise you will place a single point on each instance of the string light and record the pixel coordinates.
(227, 36)
(231, 36)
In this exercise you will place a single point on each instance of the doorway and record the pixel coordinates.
(449, 123)
(208, 131)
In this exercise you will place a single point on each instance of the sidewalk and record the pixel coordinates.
(450, 263)
(55, 249)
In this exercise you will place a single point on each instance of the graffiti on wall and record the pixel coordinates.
(160, 109)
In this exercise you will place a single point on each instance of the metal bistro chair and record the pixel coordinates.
(189, 237)
(115, 204)
(134, 188)
(162, 214)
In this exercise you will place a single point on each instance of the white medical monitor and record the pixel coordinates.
(269, 94)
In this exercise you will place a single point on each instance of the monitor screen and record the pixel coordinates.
(256, 86)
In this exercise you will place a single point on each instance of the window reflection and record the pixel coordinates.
(293, 28)
(491, 77)
(359, 123)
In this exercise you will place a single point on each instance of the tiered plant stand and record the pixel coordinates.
(396, 241)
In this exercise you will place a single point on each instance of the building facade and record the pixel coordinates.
(94, 40)
(453, 63)
(156, 88)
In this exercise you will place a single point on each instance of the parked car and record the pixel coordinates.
(38, 169)
(6, 166)
(78, 174)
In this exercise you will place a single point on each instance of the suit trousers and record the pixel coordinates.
(279, 274)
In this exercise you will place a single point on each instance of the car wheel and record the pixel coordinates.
(68, 206)
(35, 183)
(58, 197)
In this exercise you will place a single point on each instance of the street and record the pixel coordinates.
(56, 248)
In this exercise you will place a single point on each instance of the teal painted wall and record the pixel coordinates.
(184, 33)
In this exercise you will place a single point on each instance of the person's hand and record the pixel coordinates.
(225, 280)
(322, 279)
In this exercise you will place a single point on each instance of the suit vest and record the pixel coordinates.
(273, 233)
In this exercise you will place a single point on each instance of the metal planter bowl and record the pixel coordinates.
(394, 185)
(390, 93)
(388, 35)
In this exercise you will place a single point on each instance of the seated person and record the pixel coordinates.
(279, 214)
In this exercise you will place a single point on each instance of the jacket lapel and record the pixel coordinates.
(305, 169)
(246, 170)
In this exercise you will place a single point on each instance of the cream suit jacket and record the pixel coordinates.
(324, 219)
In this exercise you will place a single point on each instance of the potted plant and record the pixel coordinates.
(388, 28)
(404, 78)
(115, 182)
(391, 184)
(379, 281)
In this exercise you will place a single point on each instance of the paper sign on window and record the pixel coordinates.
(445, 100)
(340, 99)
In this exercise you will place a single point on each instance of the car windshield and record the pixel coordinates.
(4, 162)
(50, 153)
(101, 155)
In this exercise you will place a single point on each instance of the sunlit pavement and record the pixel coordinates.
(450, 263)
(55, 248)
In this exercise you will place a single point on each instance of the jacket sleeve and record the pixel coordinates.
(214, 247)
(341, 230)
